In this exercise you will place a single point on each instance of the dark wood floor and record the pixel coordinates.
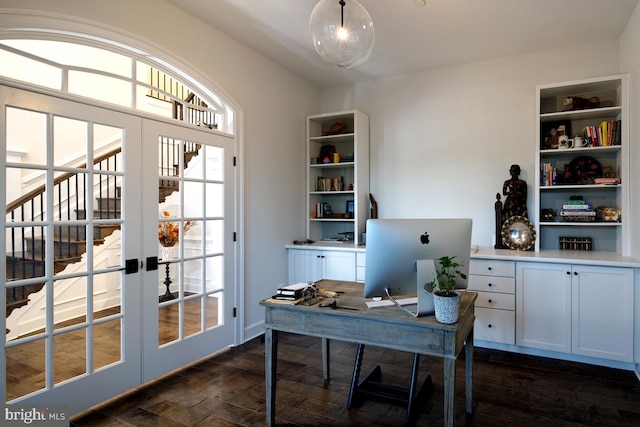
(509, 390)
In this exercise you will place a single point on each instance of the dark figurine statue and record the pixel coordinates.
(374, 207)
(498, 210)
(515, 191)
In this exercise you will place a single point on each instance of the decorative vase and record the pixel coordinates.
(169, 252)
(446, 307)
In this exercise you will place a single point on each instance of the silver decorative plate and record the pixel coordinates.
(518, 233)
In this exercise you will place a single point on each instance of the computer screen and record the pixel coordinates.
(394, 246)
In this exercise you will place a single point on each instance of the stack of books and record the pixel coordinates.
(607, 181)
(577, 211)
(292, 293)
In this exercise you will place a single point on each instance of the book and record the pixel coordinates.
(605, 134)
(617, 136)
(607, 181)
(293, 291)
(295, 286)
(286, 297)
(284, 301)
(576, 206)
(577, 213)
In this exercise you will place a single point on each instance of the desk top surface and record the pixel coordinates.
(351, 303)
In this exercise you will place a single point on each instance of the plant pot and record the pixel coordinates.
(446, 307)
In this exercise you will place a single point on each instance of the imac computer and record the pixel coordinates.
(395, 246)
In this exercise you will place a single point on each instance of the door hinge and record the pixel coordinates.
(235, 311)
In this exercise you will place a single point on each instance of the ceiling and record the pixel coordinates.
(410, 37)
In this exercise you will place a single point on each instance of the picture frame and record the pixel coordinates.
(350, 208)
(551, 131)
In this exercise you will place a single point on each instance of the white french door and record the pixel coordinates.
(188, 301)
(94, 328)
(54, 344)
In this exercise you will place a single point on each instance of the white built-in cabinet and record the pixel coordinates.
(339, 182)
(311, 265)
(577, 309)
(337, 198)
(564, 173)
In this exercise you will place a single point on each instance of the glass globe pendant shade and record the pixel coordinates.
(342, 32)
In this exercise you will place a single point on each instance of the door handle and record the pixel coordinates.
(131, 266)
(152, 263)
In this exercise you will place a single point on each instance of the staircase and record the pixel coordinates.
(69, 240)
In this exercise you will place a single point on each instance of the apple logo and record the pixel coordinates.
(424, 239)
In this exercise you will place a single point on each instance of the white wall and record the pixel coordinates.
(442, 140)
(630, 63)
(274, 103)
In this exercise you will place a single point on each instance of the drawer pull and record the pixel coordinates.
(489, 301)
(489, 325)
(568, 272)
(490, 285)
(489, 268)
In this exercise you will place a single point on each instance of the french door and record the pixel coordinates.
(188, 192)
(94, 305)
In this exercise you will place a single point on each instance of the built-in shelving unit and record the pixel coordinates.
(565, 172)
(337, 186)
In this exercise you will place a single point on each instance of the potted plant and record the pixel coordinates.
(446, 300)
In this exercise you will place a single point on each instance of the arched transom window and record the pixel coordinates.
(114, 75)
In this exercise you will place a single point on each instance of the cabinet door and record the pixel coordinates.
(603, 312)
(543, 306)
(339, 265)
(305, 266)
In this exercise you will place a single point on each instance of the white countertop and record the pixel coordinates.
(610, 259)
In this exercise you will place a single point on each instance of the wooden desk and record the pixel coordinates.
(386, 327)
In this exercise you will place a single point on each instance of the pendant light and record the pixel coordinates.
(342, 32)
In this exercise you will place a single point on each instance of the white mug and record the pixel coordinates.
(579, 142)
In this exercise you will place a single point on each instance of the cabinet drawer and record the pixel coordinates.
(492, 267)
(495, 326)
(495, 300)
(361, 259)
(505, 285)
(360, 274)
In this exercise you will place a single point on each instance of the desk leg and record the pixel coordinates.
(353, 400)
(449, 388)
(468, 353)
(325, 358)
(271, 359)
